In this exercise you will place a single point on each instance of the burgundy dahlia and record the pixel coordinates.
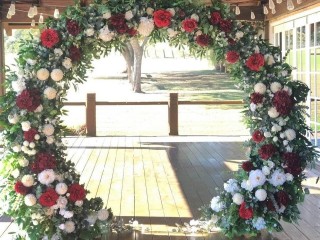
(48, 198)
(256, 98)
(283, 102)
(117, 20)
(225, 26)
(29, 100)
(30, 134)
(49, 38)
(258, 136)
(247, 166)
(292, 163)
(189, 25)
(75, 54)
(77, 192)
(21, 189)
(232, 56)
(282, 198)
(73, 27)
(203, 40)
(215, 18)
(244, 212)
(42, 162)
(267, 151)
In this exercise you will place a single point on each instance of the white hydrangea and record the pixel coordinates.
(26, 125)
(256, 178)
(46, 177)
(269, 59)
(107, 15)
(103, 214)
(69, 227)
(92, 218)
(43, 74)
(275, 87)
(238, 198)
(105, 34)
(89, 32)
(239, 34)
(30, 200)
(171, 33)
(61, 188)
(260, 88)
(128, 15)
(150, 11)
(261, 194)
(171, 11)
(13, 118)
(231, 186)
(273, 113)
(146, 26)
(50, 140)
(19, 85)
(195, 17)
(289, 177)
(216, 204)
(39, 109)
(290, 134)
(48, 129)
(56, 75)
(58, 52)
(50, 93)
(259, 223)
(245, 184)
(67, 63)
(27, 180)
(278, 178)
(266, 170)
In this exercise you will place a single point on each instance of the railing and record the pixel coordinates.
(173, 106)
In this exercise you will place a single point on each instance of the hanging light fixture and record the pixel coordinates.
(33, 23)
(265, 10)
(9, 16)
(30, 12)
(279, 1)
(35, 10)
(237, 10)
(12, 8)
(299, 1)
(273, 11)
(252, 15)
(56, 13)
(271, 4)
(41, 19)
(290, 5)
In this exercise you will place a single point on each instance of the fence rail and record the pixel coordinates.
(173, 106)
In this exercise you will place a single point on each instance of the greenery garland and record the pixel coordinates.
(41, 190)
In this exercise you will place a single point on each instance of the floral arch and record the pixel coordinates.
(41, 190)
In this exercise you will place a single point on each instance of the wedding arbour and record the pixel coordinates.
(40, 190)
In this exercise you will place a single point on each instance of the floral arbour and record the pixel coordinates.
(41, 190)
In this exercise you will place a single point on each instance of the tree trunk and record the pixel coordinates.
(129, 58)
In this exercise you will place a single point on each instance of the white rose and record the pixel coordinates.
(267, 134)
(13, 118)
(90, 32)
(27, 180)
(48, 129)
(67, 63)
(39, 109)
(275, 139)
(275, 87)
(150, 11)
(23, 162)
(269, 59)
(171, 33)
(261, 195)
(68, 214)
(171, 11)
(31, 61)
(253, 107)
(290, 134)
(61, 203)
(43, 74)
(46, 177)
(50, 140)
(237, 198)
(32, 145)
(50, 93)
(128, 15)
(26, 143)
(58, 52)
(61, 188)
(239, 34)
(198, 33)
(270, 164)
(195, 17)
(92, 218)
(19, 85)
(105, 34)
(69, 227)
(260, 88)
(289, 177)
(30, 200)
(16, 148)
(103, 214)
(107, 15)
(284, 73)
(56, 75)
(26, 125)
(285, 142)
(265, 170)
(37, 137)
(79, 203)
(273, 113)
(15, 173)
(146, 26)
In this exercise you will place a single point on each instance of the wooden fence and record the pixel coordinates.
(173, 106)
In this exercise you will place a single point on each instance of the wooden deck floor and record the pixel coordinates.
(161, 181)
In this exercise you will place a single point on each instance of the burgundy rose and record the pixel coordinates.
(282, 198)
(256, 98)
(117, 20)
(132, 32)
(77, 192)
(232, 56)
(258, 136)
(225, 26)
(255, 62)
(215, 18)
(73, 27)
(43, 161)
(181, 13)
(122, 29)
(267, 151)
(30, 134)
(21, 189)
(292, 163)
(247, 166)
(162, 18)
(48, 198)
(203, 40)
(28, 100)
(283, 102)
(49, 38)
(189, 25)
(75, 54)
(244, 212)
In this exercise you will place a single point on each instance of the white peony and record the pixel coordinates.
(261, 195)
(56, 75)
(46, 177)
(43, 74)
(273, 113)
(266, 170)
(195, 17)
(216, 204)
(92, 218)
(289, 177)
(231, 186)
(171, 11)
(30, 200)
(105, 34)
(246, 185)
(27, 180)
(61, 188)
(237, 198)
(50, 140)
(278, 178)
(90, 32)
(23, 162)
(107, 15)
(13, 118)
(58, 52)
(146, 26)
(260, 88)
(239, 34)
(50, 93)
(61, 202)
(275, 87)
(256, 178)
(69, 227)
(39, 109)
(269, 59)
(128, 15)
(48, 129)
(290, 134)
(19, 85)
(26, 125)
(67, 63)
(103, 214)
(171, 33)
(150, 11)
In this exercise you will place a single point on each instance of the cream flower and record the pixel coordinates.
(23, 162)
(69, 227)
(238, 198)
(171, 11)
(92, 218)
(16, 148)
(39, 109)
(103, 214)
(278, 178)
(195, 17)
(256, 178)
(78, 203)
(171, 33)
(48, 129)
(275, 87)
(261, 195)
(61, 188)
(239, 34)
(58, 52)
(61, 202)
(43, 74)
(289, 177)
(67, 63)
(128, 15)
(27, 180)
(56, 75)
(50, 140)
(266, 170)
(290, 134)
(19, 85)
(245, 184)
(260, 88)
(107, 15)
(269, 59)
(231, 186)
(30, 200)
(273, 113)
(13, 118)
(150, 11)
(50, 93)
(146, 26)
(216, 204)
(288, 90)
(46, 177)
(105, 34)
(26, 125)
(90, 32)
(15, 173)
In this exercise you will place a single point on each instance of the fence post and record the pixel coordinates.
(173, 114)
(91, 114)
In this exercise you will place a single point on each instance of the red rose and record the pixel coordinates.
(48, 198)
(43, 161)
(21, 189)
(181, 13)
(232, 56)
(189, 25)
(73, 27)
(49, 38)
(29, 135)
(256, 98)
(29, 100)
(215, 18)
(255, 62)
(267, 151)
(75, 54)
(77, 192)
(283, 102)
(292, 163)
(225, 26)
(117, 20)
(244, 212)
(162, 18)
(282, 198)
(132, 32)
(257, 136)
(203, 40)
(247, 166)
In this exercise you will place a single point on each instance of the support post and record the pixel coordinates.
(2, 60)
(173, 114)
(91, 115)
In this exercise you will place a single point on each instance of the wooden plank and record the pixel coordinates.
(91, 115)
